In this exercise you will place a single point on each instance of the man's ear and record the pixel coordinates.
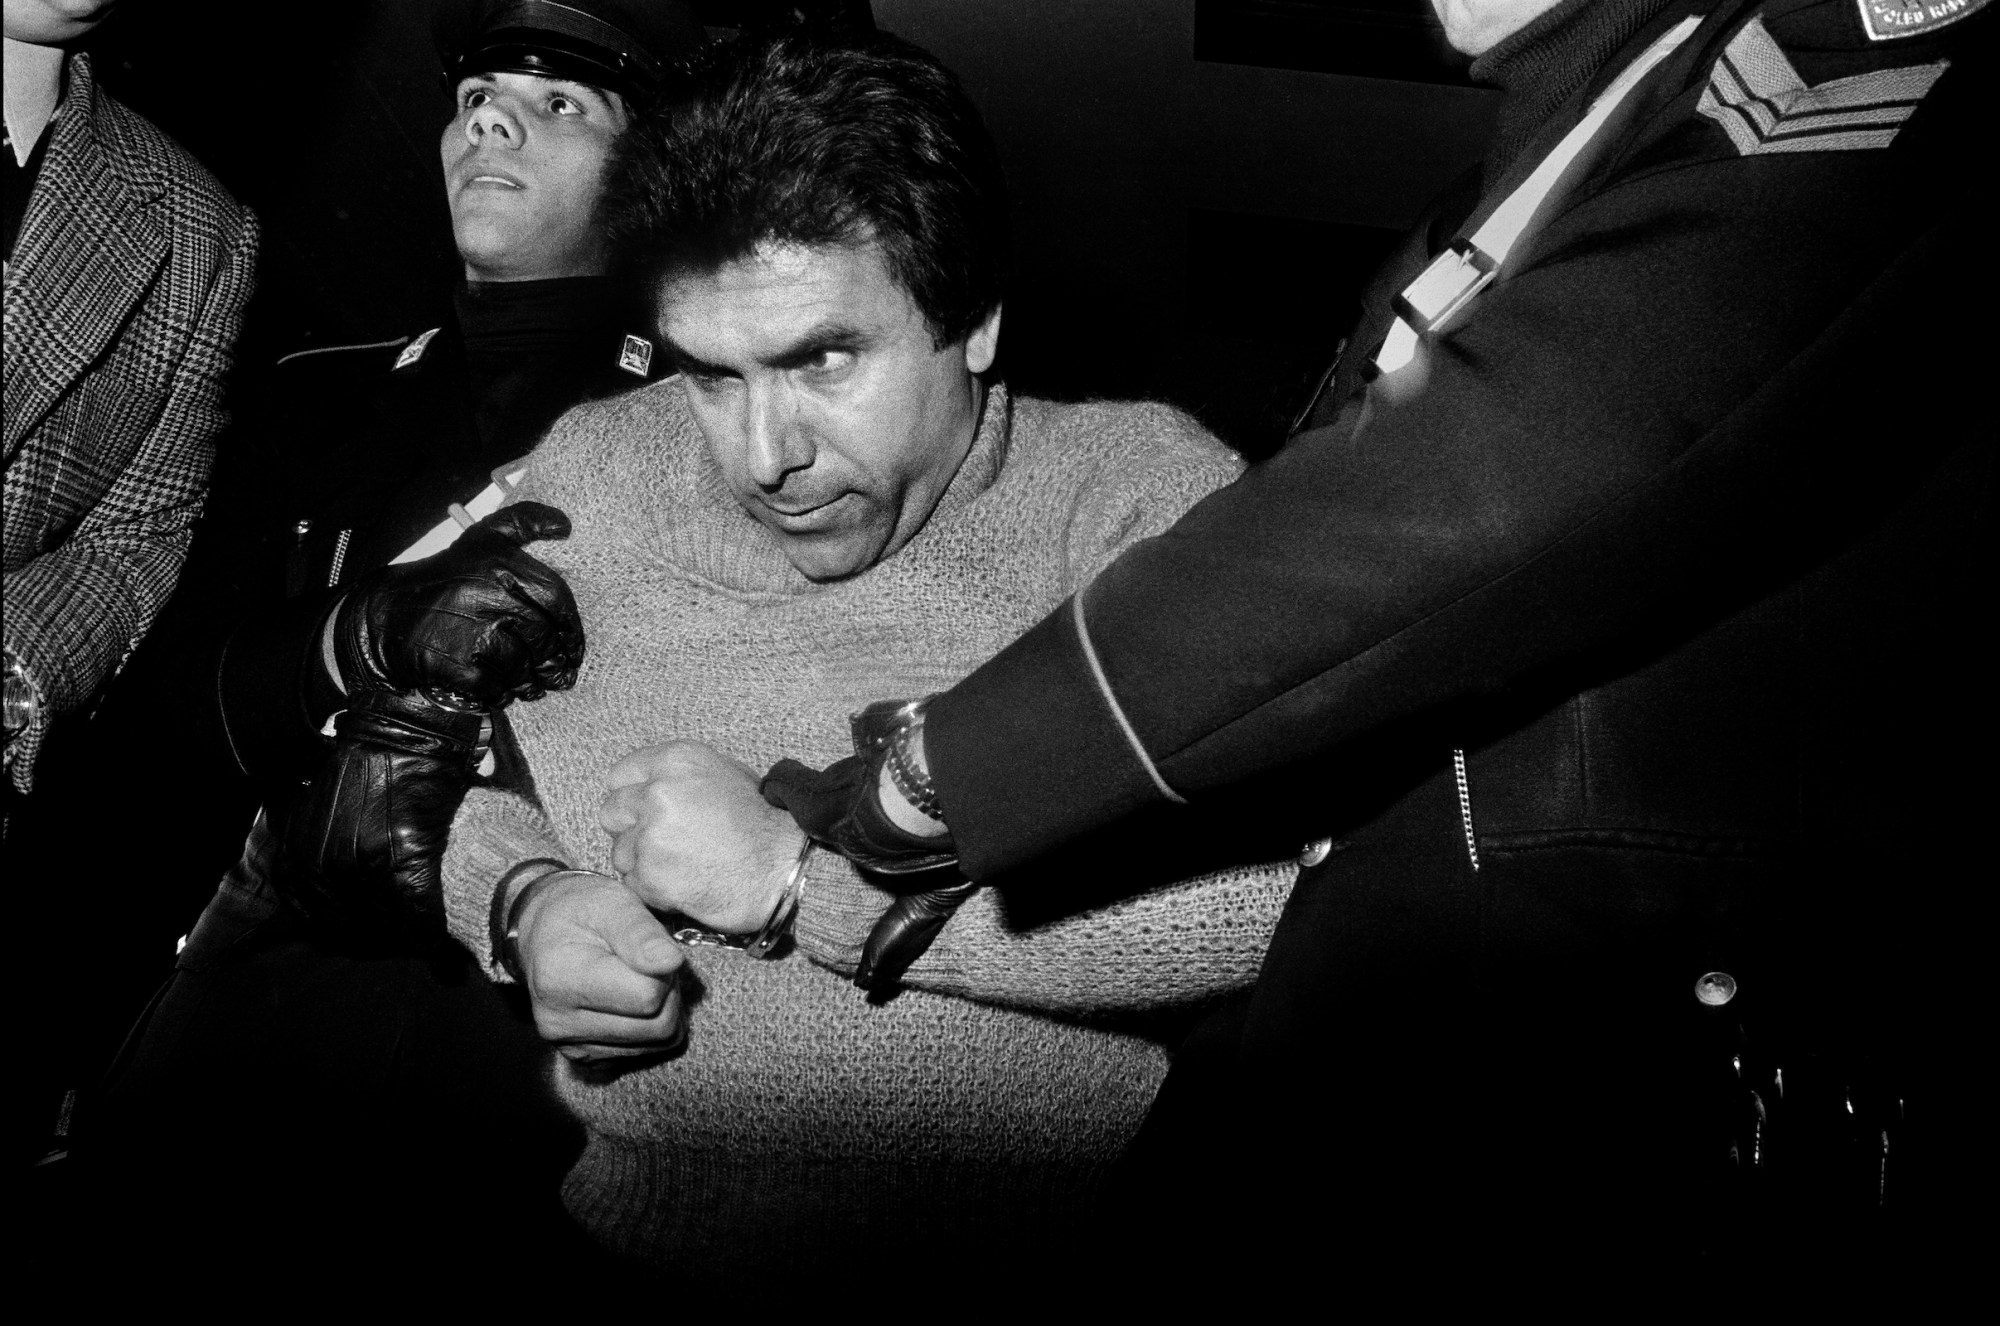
(983, 345)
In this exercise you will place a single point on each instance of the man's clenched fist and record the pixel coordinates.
(602, 973)
(691, 834)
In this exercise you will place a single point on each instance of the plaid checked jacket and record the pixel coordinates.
(124, 296)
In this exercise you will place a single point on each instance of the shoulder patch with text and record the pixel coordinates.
(1886, 20)
(415, 349)
(1759, 99)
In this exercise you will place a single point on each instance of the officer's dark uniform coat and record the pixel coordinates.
(1587, 640)
(377, 442)
(342, 458)
(268, 1042)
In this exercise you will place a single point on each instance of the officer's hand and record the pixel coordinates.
(906, 932)
(691, 835)
(842, 807)
(481, 620)
(602, 973)
(362, 845)
(852, 807)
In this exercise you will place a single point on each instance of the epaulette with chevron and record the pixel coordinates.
(1759, 99)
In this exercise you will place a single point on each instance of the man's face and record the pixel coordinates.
(835, 420)
(523, 163)
(1477, 26)
(46, 22)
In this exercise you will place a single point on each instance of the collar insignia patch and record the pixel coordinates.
(636, 356)
(1886, 20)
(1761, 102)
(415, 349)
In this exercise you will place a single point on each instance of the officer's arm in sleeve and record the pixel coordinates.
(1654, 420)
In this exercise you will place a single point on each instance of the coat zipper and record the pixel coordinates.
(1465, 806)
(340, 559)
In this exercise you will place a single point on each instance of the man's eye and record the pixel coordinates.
(827, 363)
(562, 105)
(474, 98)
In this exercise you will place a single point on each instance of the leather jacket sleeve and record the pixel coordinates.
(272, 694)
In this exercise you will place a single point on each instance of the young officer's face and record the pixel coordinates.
(834, 418)
(523, 163)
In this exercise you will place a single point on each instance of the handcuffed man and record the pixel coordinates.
(835, 495)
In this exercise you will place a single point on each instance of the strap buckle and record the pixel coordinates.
(1446, 286)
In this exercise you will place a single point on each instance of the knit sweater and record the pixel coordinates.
(804, 1125)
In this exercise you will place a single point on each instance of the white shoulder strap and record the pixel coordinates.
(1468, 266)
(461, 518)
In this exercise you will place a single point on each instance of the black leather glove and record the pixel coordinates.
(839, 808)
(480, 623)
(362, 846)
(904, 933)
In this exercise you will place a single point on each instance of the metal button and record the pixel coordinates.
(1715, 989)
(1315, 852)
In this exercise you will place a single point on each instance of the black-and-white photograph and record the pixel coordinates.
(1059, 657)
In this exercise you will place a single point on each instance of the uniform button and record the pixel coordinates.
(1715, 989)
(1315, 852)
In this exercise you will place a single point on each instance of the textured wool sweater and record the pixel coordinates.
(804, 1125)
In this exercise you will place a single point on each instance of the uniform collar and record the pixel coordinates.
(1551, 59)
(502, 315)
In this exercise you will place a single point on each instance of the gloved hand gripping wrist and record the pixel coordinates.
(840, 807)
(475, 626)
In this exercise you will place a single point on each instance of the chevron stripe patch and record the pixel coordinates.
(1761, 102)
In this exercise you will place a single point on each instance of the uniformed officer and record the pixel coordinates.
(350, 455)
(302, 996)
(1576, 637)
(420, 424)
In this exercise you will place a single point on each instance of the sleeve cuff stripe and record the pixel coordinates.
(1111, 702)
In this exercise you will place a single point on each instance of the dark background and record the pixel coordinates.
(1199, 186)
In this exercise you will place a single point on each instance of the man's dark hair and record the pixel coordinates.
(802, 139)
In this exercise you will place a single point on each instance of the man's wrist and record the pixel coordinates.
(778, 919)
(510, 896)
(533, 900)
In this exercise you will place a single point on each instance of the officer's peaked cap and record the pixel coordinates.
(633, 47)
